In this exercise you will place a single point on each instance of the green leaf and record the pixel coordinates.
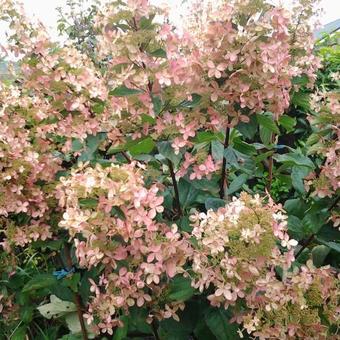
(300, 80)
(123, 91)
(71, 337)
(237, 183)
(137, 320)
(166, 150)
(19, 333)
(268, 123)
(77, 145)
(180, 289)
(219, 324)
(26, 314)
(294, 158)
(313, 222)
(217, 150)
(157, 104)
(214, 203)
(48, 244)
(244, 147)
(319, 254)
(39, 281)
(296, 207)
(146, 23)
(333, 245)
(187, 193)
(72, 281)
(92, 144)
(207, 136)
(88, 203)
(301, 100)
(297, 175)
(98, 108)
(121, 332)
(118, 212)
(190, 104)
(266, 135)
(248, 130)
(141, 146)
(296, 228)
(159, 53)
(287, 122)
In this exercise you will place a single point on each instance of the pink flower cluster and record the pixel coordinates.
(115, 215)
(235, 244)
(236, 255)
(326, 142)
(301, 306)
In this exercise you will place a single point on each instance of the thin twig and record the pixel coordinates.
(334, 203)
(124, 154)
(270, 168)
(224, 179)
(306, 244)
(77, 298)
(154, 329)
(174, 182)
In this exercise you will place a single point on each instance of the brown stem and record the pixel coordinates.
(270, 168)
(124, 154)
(334, 204)
(305, 245)
(224, 179)
(174, 182)
(154, 329)
(77, 298)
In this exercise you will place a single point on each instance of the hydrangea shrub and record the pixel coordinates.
(169, 183)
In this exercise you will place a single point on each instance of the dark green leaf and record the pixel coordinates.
(217, 150)
(196, 98)
(121, 332)
(118, 212)
(295, 158)
(319, 254)
(142, 146)
(166, 150)
(237, 183)
(207, 136)
(244, 147)
(266, 135)
(39, 281)
(301, 100)
(187, 193)
(333, 245)
(180, 289)
(72, 282)
(219, 324)
(214, 203)
(157, 104)
(77, 145)
(296, 207)
(123, 91)
(147, 119)
(88, 203)
(98, 108)
(249, 129)
(296, 228)
(19, 333)
(298, 174)
(159, 53)
(268, 123)
(287, 122)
